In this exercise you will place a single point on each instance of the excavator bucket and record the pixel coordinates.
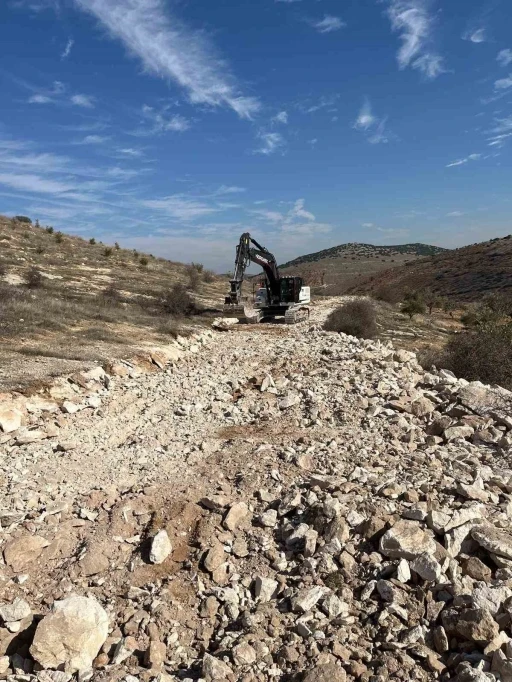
(246, 314)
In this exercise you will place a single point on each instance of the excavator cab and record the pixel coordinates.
(290, 288)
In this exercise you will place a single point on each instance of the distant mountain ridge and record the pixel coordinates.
(365, 250)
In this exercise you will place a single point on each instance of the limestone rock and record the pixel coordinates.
(21, 552)
(329, 672)
(214, 557)
(427, 567)
(161, 547)
(71, 635)
(18, 610)
(477, 625)
(406, 540)
(235, 516)
(10, 419)
(494, 540)
(215, 670)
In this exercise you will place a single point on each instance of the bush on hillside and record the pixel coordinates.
(483, 354)
(177, 301)
(49, 229)
(34, 279)
(3, 270)
(388, 294)
(23, 219)
(59, 237)
(357, 318)
(143, 260)
(194, 275)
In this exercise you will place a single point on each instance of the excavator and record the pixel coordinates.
(278, 297)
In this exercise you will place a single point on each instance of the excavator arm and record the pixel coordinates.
(246, 253)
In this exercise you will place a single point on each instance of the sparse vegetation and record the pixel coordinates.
(3, 270)
(59, 237)
(143, 261)
(108, 252)
(357, 318)
(34, 279)
(92, 241)
(23, 219)
(194, 276)
(177, 301)
(413, 304)
(388, 295)
(49, 229)
(209, 276)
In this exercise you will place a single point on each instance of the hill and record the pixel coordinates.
(464, 274)
(333, 271)
(66, 301)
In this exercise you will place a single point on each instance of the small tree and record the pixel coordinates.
(108, 252)
(194, 276)
(116, 246)
(37, 223)
(92, 241)
(23, 219)
(447, 305)
(59, 237)
(143, 261)
(413, 306)
(432, 300)
(34, 279)
(49, 229)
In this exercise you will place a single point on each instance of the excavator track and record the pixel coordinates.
(294, 316)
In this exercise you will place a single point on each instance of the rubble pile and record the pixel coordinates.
(359, 528)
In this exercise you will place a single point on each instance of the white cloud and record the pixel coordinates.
(501, 132)
(504, 57)
(374, 128)
(83, 101)
(230, 189)
(129, 151)
(161, 122)
(365, 118)
(169, 49)
(67, 49)
(393, 233)
(455, 214)
(461, 162)
(270, 143)
(297, 220)
(40, 99)
(328, 24)
(475, 35)
(182, 207)
(503, 83)
(288, 1)
(34, 183)
(298, 211)
(367, 225)
(94, 139)
(411, 18)
(281, 117)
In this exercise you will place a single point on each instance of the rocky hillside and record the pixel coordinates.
(465, 274)
(335, 513)
(333, 271)
(66, 301)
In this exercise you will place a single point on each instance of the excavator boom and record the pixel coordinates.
(282, 293)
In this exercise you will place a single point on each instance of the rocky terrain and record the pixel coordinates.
(463, 274)
(257, 504)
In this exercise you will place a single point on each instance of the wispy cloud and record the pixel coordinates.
(34, 183)
(65, 53)
(328, 24)
(501, 132)
(281, 117)
(182, 207)
(367, 225)
(475, 35)
(504, 57)
(162, 122)
(455, 214)
(412, 19)
(169, 49)
(270, 143)
(93, 139)
(230, 189)
(373, 128)
(297, 220)
(130, 152)
(503, 83)
(82, 101)
(461, 162)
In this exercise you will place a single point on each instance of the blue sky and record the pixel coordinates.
(173, 126)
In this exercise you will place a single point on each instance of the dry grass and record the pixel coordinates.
(90, 300)
(357, 318)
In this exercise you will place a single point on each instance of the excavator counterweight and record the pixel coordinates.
(280, 297)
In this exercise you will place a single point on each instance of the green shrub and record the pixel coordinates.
(413, 304)
(92, 241)
(39, 249)
(34, 279)
(59, 237)
(194, 276)
(357, 318)
(49, 229)
(116, 246)
(108, 252)
(177, 301)
(143, 261)
(23, 219)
